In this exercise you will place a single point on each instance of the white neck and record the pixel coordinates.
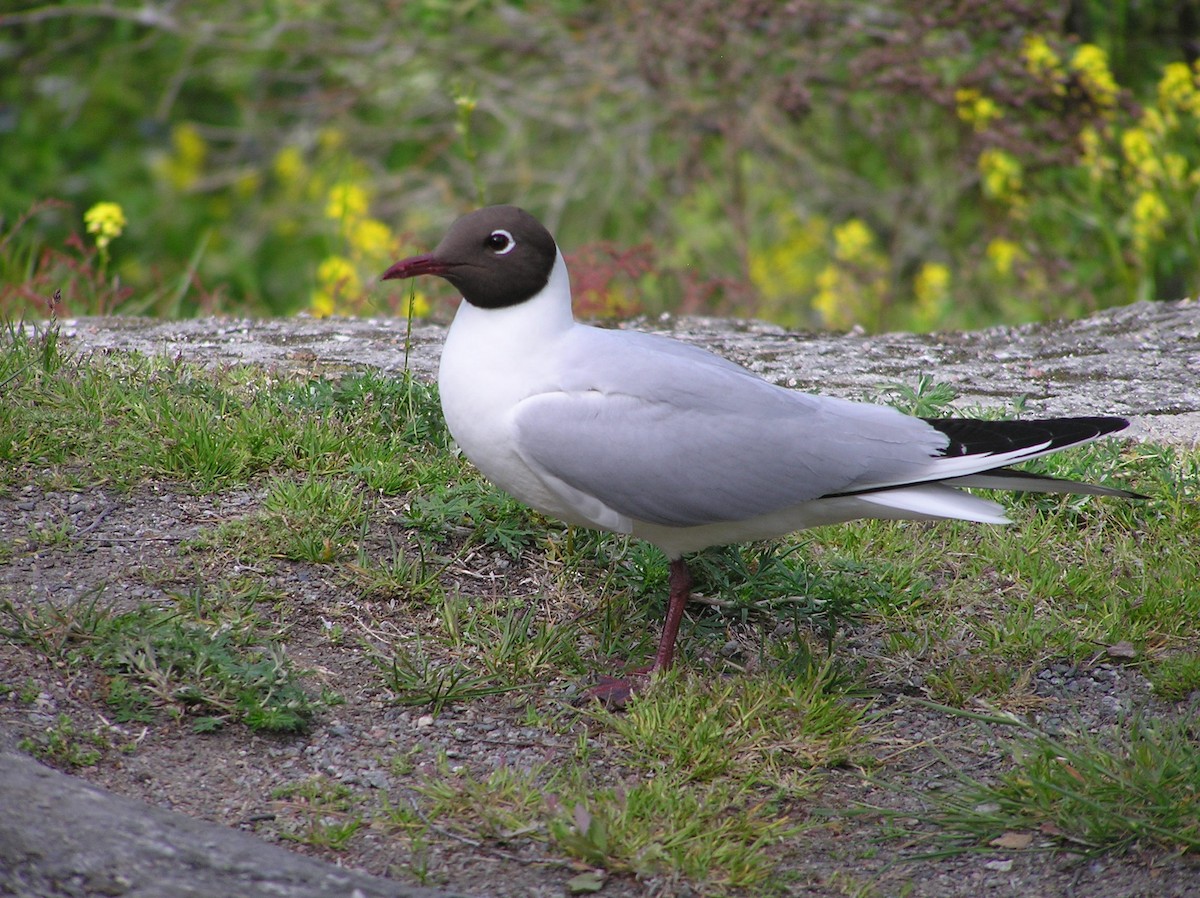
(492, 360)
(526, 324)
(492, 355)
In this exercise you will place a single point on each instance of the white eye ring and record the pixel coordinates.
(509, 243)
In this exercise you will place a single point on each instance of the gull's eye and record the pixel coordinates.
(500, 242)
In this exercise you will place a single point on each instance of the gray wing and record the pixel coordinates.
(669, 434)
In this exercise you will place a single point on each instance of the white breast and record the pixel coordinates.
(493, 359)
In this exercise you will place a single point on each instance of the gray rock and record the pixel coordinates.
(1141, 360)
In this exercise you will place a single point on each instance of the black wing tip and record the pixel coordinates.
(972, 436)
(1106, 424)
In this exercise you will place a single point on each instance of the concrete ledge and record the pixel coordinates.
(1141, 361)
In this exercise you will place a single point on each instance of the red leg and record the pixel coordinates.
(681, 590)
(615, 691)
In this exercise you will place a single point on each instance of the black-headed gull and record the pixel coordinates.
(642, 434)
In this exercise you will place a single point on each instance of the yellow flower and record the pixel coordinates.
(1176, 167)
(1154, 123)
(1136, 146)
(1039, 56)
(932, 282)
(852, 240)
(188, 143)
(370, 238)
(1042, 62)
(288, 165)
(418, 305)
(338, 283)
(106, 221)
(346, 201)
(1003, 254)
(1001, 175)
(1090, 63)
(1150, 214)
(786, 269)
(975, 109)
(339, 272)
(330, 140)
(323, 304)
(1177, 88)
(1139, 152)
(1092, 156)
(828, 300)
(931, 287)
(189, 150)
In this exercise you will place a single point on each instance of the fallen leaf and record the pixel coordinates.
(1013, 841)
(1123, 650)
(583, 820)
(591, 881)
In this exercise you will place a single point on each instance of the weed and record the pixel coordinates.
(516, 645)
(713, 832)
(312, 519)
(1177, 677)
(401, 577)
(63, 744)
(324, 809)
(1134, 784)
(927, 399)
(156, 658)
(472, 506)
(779, 579)
(769, 728)
(417, 679)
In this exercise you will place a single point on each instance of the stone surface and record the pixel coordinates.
(1141, 361)
(61, 836)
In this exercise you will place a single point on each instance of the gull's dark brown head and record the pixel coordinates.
(497, 256)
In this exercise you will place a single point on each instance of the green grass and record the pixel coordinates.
(710, 774)
(64, 745)
(318, 812)
(767, 728)
(127, 418)
(1177, 676)
(714, 832)
(1074, 575)
(1132, 785)
(160, 659)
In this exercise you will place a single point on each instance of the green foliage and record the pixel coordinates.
(963, 165)
(415, 678)
(1129, 786)
(318, 812)
(1177, 677)
(475, 505)
(510, 648)
(716, 761)
(213, 429)
(157, 658)
(713, 832)
(63, 744)
(777, 725)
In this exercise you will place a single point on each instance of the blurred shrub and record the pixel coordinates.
(818, 162)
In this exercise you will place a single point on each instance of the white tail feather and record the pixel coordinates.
(933, 500)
